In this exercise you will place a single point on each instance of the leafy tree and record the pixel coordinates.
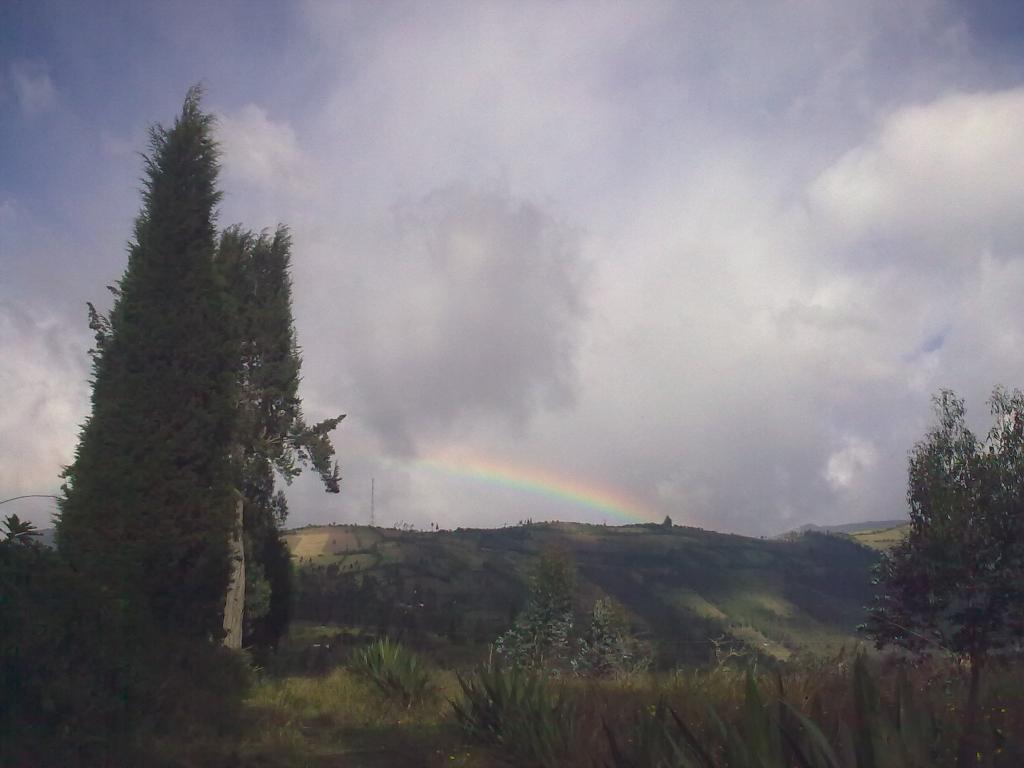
(956, 583)
(607, 647)
(147, 508)
(540, 638)
(272, 437)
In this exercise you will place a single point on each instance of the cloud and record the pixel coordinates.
(945, 174)
(847, 465)
(474, 315)
(258, 150)
(33, 87)
(45, 394)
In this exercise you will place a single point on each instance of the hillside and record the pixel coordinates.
(882, 538)
(881, 535)
(868, 525)
(682, 587)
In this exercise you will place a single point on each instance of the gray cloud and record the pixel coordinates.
(474, 315)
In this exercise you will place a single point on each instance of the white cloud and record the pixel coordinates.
(33, 87)
(259, 150)
(43, 379)
(945, 173)
(847, 465)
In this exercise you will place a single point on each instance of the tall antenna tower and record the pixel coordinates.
(371, 502)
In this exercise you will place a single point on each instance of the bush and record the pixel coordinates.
(83, 681)
(608, 648)
(517, 710)
(397, 671)
(541, 637)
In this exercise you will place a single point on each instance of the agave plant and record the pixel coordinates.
(397, 671)
(517, 710)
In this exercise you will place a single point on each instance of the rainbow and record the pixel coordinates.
(543, 482)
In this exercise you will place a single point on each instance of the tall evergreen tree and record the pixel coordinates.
(272, 435)
(147, 510)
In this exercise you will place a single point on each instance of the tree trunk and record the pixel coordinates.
(234, 602)
(969, 741)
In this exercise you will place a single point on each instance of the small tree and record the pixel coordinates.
(956, 583)
(608, 648)
(540, 637)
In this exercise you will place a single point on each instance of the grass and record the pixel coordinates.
(504, 718)
(882, 539)
(342, 718)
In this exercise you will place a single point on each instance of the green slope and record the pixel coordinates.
(681, 587)
(882, 539)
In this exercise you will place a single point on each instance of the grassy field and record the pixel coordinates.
(339, 718)
(882, 539)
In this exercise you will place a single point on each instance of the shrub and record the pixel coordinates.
(541, 635)
(397, 671)
(517, 710)
(607, 648)
(84, 681)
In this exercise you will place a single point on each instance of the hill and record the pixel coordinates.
(682, 588)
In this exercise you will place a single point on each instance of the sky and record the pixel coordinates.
(592, 261)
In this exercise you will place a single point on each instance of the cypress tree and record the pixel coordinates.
(272, 437)
(147, 510)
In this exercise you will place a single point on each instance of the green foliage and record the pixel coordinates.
(85, 682)
(957, 582)
(271, 434)
(541, 635)
(20, 531)
(519, 711)
(265, 627)
(395, 670)
(272, 430)
(110, 643)
(147, 510)
(60, 685)
(608, 648)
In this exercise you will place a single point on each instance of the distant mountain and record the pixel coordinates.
(682, 588)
